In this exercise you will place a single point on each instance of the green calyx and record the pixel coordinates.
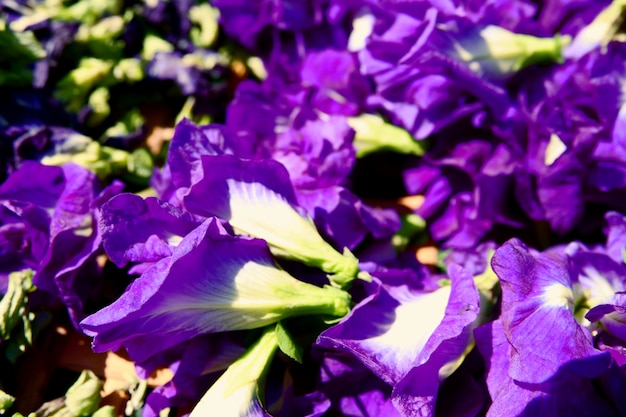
(242, 384)
(374, 134)
(273, 295)
(501, 52)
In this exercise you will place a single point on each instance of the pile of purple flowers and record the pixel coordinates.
(278, 263)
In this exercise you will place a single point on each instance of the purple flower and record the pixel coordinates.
(538, 316)
(49, 217)
(283, 32)
(381, 332)
(573, 159)
(317, 150)
(516, 398)
(339, 88)
(257, 199)
(432, 68)
(183, 165)
(318, 166)
(611, 314)
(467, 187)
(145, 231)
(228, 283)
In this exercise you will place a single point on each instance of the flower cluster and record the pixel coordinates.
(365, 208)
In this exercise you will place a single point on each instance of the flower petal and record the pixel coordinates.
(213, 282)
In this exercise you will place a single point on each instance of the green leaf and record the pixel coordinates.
(23, 335)
(99, 103)
(140, 166)
(6, 401)
(19, 50)
(104, 161)
(76, 86)
(152, 44)
(127, 124)
(13, 304)
(286, 343)
(20, 47)
(89, 11)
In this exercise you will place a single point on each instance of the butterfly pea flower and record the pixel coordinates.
(538, 316)
(414, 358)
(417, 86)
(48, 224)
(213, 282)
(611, 314)
(257, 199)
(599, 292)
(573, 159)
(184, 166)
(292, 29)
(337, 86)
(317, 150)
(524, 399)
(465, 191)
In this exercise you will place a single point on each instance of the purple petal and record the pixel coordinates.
(381, 330)
(188, 144)
(213, 282)
(36, 184)
(353, 389)
(138, 230)
(416, 393)
(612, 315)
(514, 398)
(615, 236)
(537, 315)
